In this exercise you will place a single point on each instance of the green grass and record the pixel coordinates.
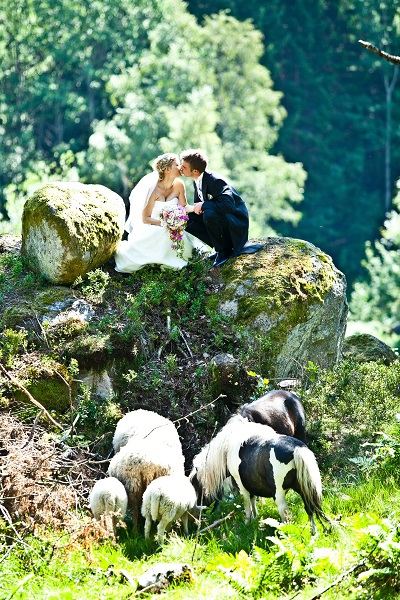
(263, 559)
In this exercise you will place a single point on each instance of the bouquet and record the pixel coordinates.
(174, 218)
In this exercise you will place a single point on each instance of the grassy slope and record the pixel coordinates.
(345, 408)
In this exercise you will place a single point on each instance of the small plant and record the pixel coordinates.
(171, 365)
(263, 385)
(96, 288)
(12, 343)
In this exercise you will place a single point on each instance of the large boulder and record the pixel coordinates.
(363, 347)
(69, 229)
(289, 302)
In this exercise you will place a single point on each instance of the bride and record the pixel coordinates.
(148, 241)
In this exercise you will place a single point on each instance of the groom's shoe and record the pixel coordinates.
(220, 260)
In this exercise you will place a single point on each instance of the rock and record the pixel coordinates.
(160, 576)
(45, 379)
(290, 303)
(69, 229)
(228, 377)
(363, 347)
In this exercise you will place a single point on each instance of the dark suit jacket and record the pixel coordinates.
(219, 195)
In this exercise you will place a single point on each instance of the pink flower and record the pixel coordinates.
(175, 219)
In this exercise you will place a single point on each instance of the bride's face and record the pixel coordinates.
(174, 168)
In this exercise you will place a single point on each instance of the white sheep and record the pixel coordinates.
(167, 499)
(146, 424)
(139, 462)
(108, 501)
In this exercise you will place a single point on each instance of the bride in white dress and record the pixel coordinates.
(148, 241)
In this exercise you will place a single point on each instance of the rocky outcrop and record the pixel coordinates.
(69, 229)
(363, 347)
(288, 302)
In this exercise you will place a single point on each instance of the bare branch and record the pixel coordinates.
(219, 522)
(389, 57)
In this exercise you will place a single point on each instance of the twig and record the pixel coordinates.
(31, 398)
(32, 430)
(389, 57)
(129, 578)
(186, 344)
(20, 584)
(218, 522)
(343, 575)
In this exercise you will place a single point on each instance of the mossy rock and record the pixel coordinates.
(69, 229)
(363, 347)
(290, 299)
(47, 380)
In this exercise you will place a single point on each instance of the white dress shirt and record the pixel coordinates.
(199, 183)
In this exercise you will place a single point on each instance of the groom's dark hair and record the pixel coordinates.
(196, 158)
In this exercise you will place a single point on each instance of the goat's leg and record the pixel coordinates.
(280, 501)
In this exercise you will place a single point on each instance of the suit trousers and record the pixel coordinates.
(211, 227)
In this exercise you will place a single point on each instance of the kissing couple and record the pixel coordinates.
(218, 218)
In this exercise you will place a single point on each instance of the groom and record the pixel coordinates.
(219, 217)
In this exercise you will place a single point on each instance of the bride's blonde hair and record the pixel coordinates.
(162, 162)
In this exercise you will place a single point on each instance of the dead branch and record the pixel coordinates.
(33, 429)
(343, 575)
(389, 57)
(29, 396)
(217, 523)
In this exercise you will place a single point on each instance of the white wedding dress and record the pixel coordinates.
(151, 245)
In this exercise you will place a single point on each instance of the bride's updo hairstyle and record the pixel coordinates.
(162, 163)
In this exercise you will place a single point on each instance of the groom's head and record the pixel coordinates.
(194, 162)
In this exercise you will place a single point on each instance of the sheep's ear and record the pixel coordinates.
(201, 507)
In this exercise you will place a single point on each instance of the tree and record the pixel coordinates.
(221, 99)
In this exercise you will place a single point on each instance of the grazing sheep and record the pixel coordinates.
(167, 499)
(108, 500)
(139, 462)
(146, 424)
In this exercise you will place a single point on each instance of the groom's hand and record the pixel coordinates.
(197, 207)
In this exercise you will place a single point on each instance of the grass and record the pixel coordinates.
(263, 559)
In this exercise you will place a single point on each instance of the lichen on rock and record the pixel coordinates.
(291, 294)
(69, 229)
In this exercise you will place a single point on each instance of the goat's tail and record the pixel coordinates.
(309, 480)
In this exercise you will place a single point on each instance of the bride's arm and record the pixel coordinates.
(182, 200)
(148, 209)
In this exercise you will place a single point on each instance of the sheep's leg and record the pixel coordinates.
(185, 519)
(160, 532)
(147, 527)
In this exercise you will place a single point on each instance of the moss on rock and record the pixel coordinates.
(45, 379)
(69, 229)
(363, 347)
(290, 294)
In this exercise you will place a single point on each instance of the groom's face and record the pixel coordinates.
(187, 171)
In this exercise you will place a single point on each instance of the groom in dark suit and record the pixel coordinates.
(219, 217)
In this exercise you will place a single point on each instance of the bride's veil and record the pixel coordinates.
(138, 199)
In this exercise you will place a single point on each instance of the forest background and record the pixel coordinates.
(279, 93)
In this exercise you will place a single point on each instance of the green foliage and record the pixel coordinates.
(381, 457)
(96, 414)
(376, 301)
(94, 290)
(12, 343)
(346, 405)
